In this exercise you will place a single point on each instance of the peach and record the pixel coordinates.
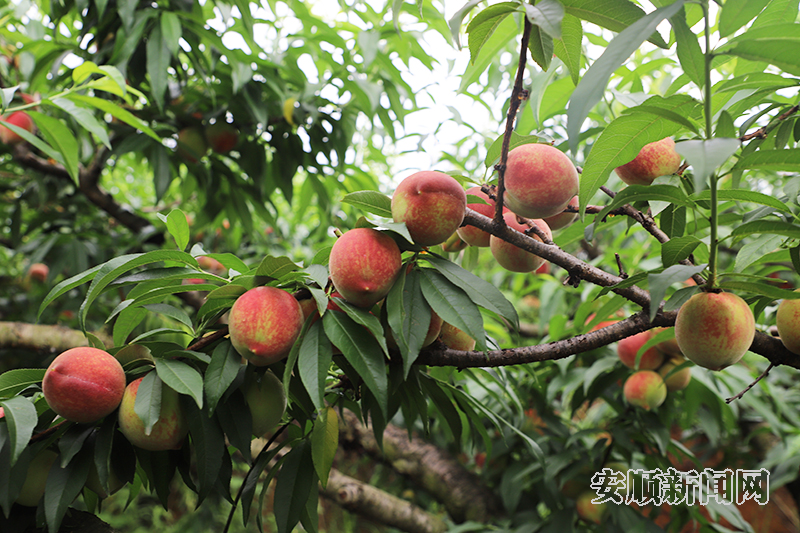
(454, 244)
(669, 347)
(36, 478)
(38, 272)
(714, 330)
(212, 265)
(267, 401)
(675, 380)
(264, 322)
(655, 159)
(456, 339)
(20, 119)
(84, 384)
(645, 389)
(628, 347)
(516, 259)
(563, 219)
(364, 264)
(169, 430)
(222, 137)
(589, 511)
(191, 144)
(470, 234)
(787, 319)
(432, 205)
(540, 181)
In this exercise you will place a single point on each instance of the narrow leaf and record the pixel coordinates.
(182, 378)
(371, 202)
(324, 442)
(21, 418)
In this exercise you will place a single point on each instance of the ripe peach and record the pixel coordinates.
(264, 322)
(169, 430)
(512, 258)
(645, 389)
(628, 347)
(655, 159)
(431, 204)
(472, 235)
(36, 478)
(364, 264)
(19, 118)
(456, 339)
(84, 384)
(222, 137)
(563, 219)
(267, 401)
(714, 330)
(788, 322)
(540, 181)
(589, 511)
(677, 380)
(38, 272)
(191, 144)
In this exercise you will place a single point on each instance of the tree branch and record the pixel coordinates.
(47, 338)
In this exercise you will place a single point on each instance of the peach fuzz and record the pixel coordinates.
(645, 389)
(84, 384)
(470, 234)
(655, 159)
(432, 205)
(714, 330)
(264, 322)
(169, 430)
(364, 264)
(628, 348)
(540, 181)
(516, 259)
(787, 319)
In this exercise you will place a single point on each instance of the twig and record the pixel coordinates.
(761, 133)
(620, 267)
(753, 384)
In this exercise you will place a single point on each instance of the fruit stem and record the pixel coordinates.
(714, 218)
(518, 94)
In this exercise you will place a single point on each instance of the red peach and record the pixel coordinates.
(645, 389)
(364, 264)
(516, 259)
(628, 347)
(38, 272)
(264, 322)
(84, 384)
(472, 235)
(19, 118)
(655, 159)
(222, 137)
(540, 181)
(431, 204)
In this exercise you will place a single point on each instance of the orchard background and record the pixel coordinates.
(113, 202)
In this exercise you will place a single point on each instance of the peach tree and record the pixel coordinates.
(273, 304)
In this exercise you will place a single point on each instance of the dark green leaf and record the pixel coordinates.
(223, 369)
(293, 487)
(541, 45)
(208, 442)
(171, 30)
(678, 249)
(148, 401)
(778, 227)
(12, 382)
(182, 378)
(313, 362)
(689, 53)
(547, 15)
(63, 486)
(454, 305)
(371, 202)
(158, 57)
(116, 111)
(21, 419)
(569, 47)
(178, 227)
(61, 139)
(325, 442)
(85, 118)
(659, 283)
(768, 44)
(409, 317)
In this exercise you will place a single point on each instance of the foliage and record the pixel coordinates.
(102, 192)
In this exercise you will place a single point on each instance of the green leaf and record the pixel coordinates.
(116, 111)
(457, 20)
(540, 45)
(480, 291)
(172, 312)
(569, 47)
(483, 26)
(313, 362)
(362, 351)
(737, 13)
(454, 305)
(12, 382)
(171, 30)
(85, 118)
(223, 369)
(787, 160)
(366, 319)
(61, 139)
(276, 267)
(158, 58)
(324, 442)
(208, 443)
(21, 419)
(794, 253)
(370, 201)
(659, 283)
(706, 156)
(409, 317)
(495, 150)
(293, 487)
(778, 227)
(635, 193)
(148, 401)
(615, 15)
(678, 249)
(546, 14)
(178, 227)
(756, 249)
(743, 195)
(593, 84)
(690, 55)
(673, 221)
(768, 44)
(72, 441)
(182, 378)
(436, 391)
(755, 80)
(504, 32)
(763, 289)
(64, 483)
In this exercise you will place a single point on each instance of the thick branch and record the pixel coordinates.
(49, 338)
(382, 507)
(431, 468)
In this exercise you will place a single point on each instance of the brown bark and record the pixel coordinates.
(47, 338)
(375, 504)
(431, 468)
